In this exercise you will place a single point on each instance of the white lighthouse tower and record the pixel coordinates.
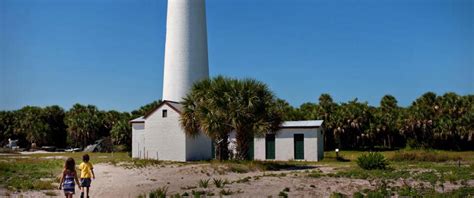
(186, 59)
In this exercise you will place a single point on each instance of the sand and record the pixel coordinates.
(118, 181)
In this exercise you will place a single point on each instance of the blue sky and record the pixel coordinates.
(110, 52)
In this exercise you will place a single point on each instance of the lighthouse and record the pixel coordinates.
(186, 59)
(159, 134)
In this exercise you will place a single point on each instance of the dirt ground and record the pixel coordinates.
(118, 181)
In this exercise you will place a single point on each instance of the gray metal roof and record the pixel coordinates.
(177, 106)
(139, 119)
(302, 123)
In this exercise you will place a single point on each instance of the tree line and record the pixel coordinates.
(431, 121)
(78, 127)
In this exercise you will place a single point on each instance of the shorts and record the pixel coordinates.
(85, 182)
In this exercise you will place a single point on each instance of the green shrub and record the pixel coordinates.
(219, 183)
(204, 183)
(198, 193)
(408, 191)
(375, 194)
(226, 192)
(282, 194)
(337, 195)
(159, 192)
(372, 161)
(357, 195)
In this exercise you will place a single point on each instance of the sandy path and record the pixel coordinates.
(117, 181)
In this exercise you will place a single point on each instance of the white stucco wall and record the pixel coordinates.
(138, 140)
(164, 138)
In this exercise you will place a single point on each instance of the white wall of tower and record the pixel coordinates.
(186, 58)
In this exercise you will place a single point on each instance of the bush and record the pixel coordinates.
(204, 183)
(337, 195)
(159, 192)
(372, 161)
(282, 194)
(219, 183)
(357, 195)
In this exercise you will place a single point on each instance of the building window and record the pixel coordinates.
(165, 113)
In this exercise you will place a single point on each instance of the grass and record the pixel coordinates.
(330, 156)
(424, 156)
(159, 192)
(203, 183)
(219, 183)
(426, 166)
(337, 195)
(408, 191)
(248, 166)
(40, 171)
(29, 174)
(226, 192)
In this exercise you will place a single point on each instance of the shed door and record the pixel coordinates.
(299, 146)
(250, 151)
(270, 146)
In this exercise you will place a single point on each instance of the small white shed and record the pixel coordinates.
(296, 140)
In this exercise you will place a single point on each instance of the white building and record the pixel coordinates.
(158, 134)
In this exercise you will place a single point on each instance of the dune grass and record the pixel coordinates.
(41, 171)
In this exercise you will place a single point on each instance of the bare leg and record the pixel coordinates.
(87, 191)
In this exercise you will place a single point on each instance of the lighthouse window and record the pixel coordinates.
(165, 113)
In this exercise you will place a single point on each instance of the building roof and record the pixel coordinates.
(302, 124)
(174, 105)
(178, 107)
(138, 120)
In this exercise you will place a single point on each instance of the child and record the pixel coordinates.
(68, 178)
(86, 172)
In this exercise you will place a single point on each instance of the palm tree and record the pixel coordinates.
(31, 124)
(84, 123)
(253, 112)
(204, 110)
(221, 105)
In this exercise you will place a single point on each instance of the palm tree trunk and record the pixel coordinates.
(222, 151)
(243, 140)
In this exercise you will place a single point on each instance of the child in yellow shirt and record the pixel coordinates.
(87, 171)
